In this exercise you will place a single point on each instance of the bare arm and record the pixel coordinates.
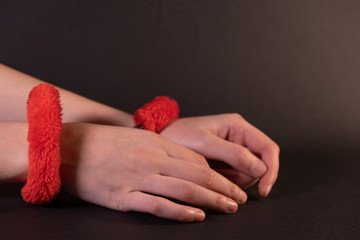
(13, 151)
(238, 143)
(15, 87)
(126, 169)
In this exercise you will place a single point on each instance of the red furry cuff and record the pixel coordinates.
(44, 117)
(155, 115)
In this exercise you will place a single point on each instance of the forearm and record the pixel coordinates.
(13, 151)
(15, 87)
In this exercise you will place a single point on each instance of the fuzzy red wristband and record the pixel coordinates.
(155, 115)
(44, 118)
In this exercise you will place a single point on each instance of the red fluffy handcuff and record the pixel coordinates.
(45, 124)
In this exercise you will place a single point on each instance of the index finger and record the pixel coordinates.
(260, 144)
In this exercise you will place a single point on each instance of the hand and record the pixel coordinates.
(129, 169)
(229, 138)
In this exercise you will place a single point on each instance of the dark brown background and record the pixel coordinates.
(289, 67)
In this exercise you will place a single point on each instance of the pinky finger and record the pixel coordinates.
(161, 207)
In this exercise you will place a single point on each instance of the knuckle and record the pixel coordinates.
(208, 179)
(206, 140)
(237, 155)
(271, 146)
(150, 138)
(201, 160)
(234, 153)
(243, 159)
(234, 191)
(235, 116)
(154, 206)
(219, 203)
(276, 148)
(188, 191)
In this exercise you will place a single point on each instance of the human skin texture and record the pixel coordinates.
(107, 162)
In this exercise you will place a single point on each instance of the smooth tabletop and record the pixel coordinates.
(316, 197)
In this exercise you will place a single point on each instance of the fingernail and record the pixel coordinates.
(268, 189)
(199, 216)
(232, 206)
(258, 169)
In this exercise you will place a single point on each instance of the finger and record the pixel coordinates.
(237, 156)
(161, 207)
(242, 180)
(205, 177)
(189, 192)
(271, 159)
(239, 178)
(180, 152)
(262, 145)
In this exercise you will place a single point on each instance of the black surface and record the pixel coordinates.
(289, 67)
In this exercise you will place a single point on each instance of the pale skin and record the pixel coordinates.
(127, 169)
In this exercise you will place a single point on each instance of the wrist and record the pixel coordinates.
(71, 142)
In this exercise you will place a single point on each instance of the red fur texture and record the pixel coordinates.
(155, 115)
(44, 117)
